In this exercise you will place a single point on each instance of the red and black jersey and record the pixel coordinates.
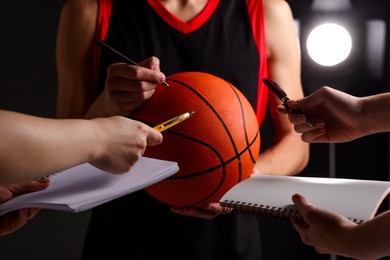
(226, 39)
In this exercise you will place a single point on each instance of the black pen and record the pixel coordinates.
(282, 95)
(101, 43)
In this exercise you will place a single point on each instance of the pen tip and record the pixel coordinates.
(165, 84)
(191, 113)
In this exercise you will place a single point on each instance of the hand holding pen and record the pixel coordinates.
(337, 116)
(120, 56)
(127, 86)
(282, 95)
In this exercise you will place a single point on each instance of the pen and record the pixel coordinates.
(279, 92)
(104, 45)
(167, 124)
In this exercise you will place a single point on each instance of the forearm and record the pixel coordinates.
(370, 240)
(32, 147)
(288, 156)
(376, 113)
(100, 108)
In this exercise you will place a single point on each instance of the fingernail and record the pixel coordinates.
(321, 130)
(161, 78)
(300, 119)
(42, 179)
(177, 210)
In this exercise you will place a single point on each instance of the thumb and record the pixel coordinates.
(28, 186)
(154, 138)
(309, 101)
(301, 203)
(298, 104)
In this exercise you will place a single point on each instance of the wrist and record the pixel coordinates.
(366, 123)
(96, 139)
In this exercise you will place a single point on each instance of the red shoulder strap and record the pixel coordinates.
(102, 24)
(256, 16)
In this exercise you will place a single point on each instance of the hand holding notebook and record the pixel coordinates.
(268, 195)
(84, 186)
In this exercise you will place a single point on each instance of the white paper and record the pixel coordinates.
(84, 186)
(352, 198)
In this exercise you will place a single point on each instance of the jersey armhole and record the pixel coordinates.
(102, 25)
(256, 17)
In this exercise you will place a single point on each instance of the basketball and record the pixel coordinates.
(215, 148)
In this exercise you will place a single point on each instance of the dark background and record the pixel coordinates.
(28, 84)
(365, 158)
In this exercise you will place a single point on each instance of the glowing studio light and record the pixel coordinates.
(329, 44)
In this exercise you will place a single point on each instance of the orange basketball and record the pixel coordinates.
(215, 148)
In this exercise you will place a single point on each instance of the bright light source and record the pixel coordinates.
(329, 44)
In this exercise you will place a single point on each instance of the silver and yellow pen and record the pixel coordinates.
(167, 124)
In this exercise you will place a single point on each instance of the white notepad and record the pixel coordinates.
(84, 186)
(269, 195)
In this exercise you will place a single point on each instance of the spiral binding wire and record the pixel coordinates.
(276, 213)
(264, 210)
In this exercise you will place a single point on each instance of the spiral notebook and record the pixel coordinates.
(84, 187)
(266, 195)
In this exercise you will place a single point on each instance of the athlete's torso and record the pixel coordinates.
(223, 40)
